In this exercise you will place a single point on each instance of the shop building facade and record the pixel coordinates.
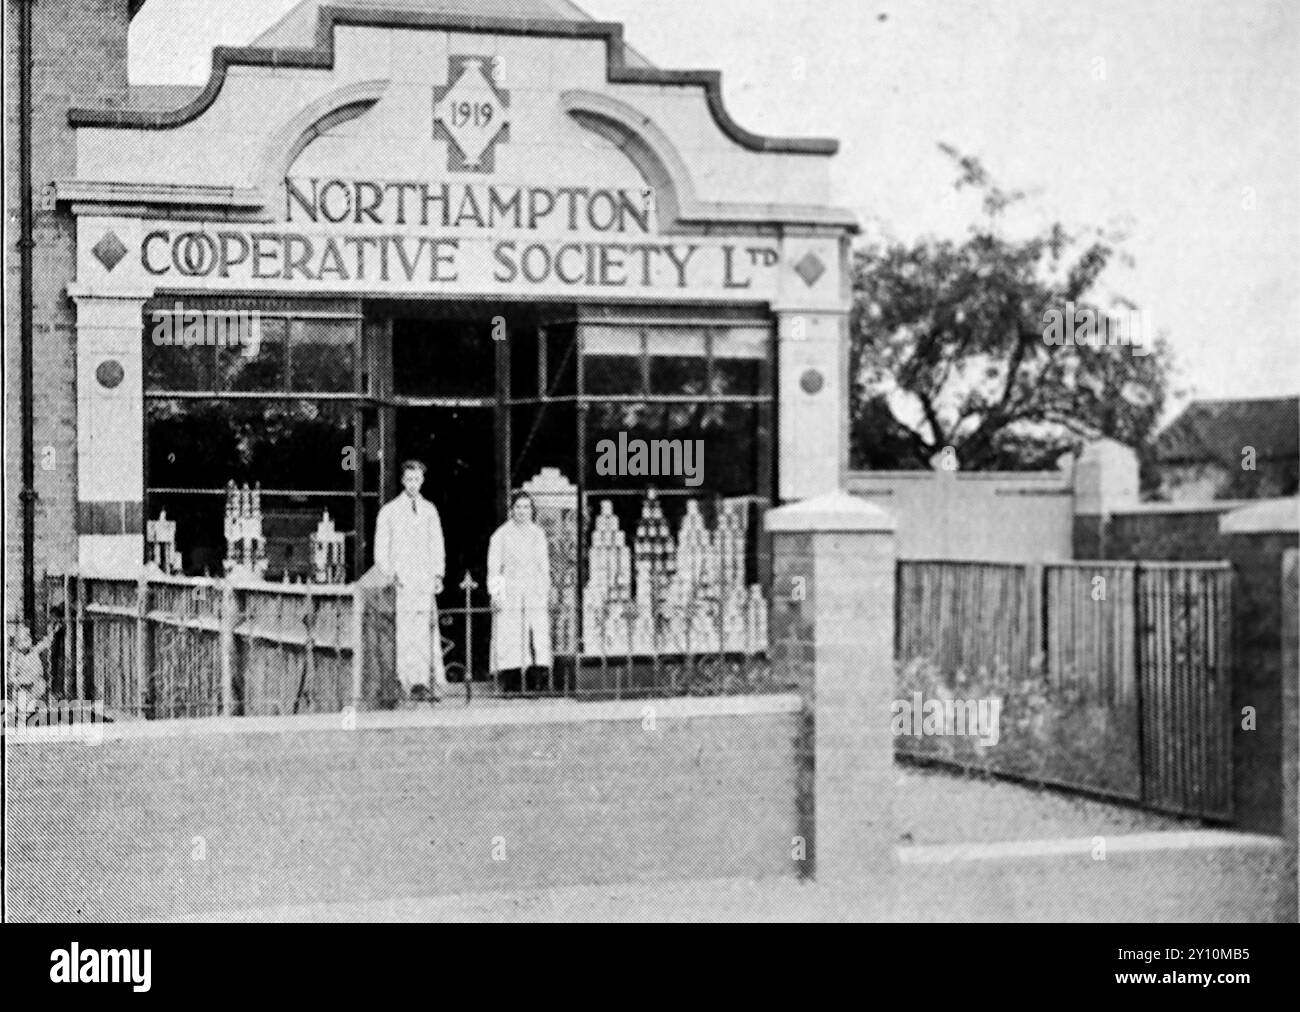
(495, 241)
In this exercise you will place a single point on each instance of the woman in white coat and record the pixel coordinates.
(519, 581)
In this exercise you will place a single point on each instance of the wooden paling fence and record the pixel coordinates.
(1114, 676)
(163, 646)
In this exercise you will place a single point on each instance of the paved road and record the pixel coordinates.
(1225, 879)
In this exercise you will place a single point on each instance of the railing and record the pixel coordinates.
(704, 645)
(162, 646)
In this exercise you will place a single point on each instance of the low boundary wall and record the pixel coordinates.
(179, 818)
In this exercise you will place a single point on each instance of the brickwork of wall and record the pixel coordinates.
(79, 50)
(329, 815)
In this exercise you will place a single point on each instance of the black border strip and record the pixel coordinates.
(321, 57)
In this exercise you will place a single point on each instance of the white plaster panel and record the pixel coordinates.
(110, 426)
(419, 56)
(362, 54)
(115, 316)
(810, 430)
(111, 554)
(824, 292)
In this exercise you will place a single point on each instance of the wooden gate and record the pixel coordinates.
(1184, 618)
(1115, 676)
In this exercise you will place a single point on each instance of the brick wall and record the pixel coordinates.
(1166, 535)
(1258, 674)
(78, 59)
(293, 816)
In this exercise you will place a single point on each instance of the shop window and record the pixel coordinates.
(725, 460)
(283, 445)
(177, 367)
(740, 362)
(288, 522)
(612, 361)
(610, 374)
(322, 355)
(678, 362)
(260, 367)
(561, 364)
(525, 360)
(541, 436)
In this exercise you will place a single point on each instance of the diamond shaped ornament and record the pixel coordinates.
(810, 268)
(471, 114)
(109, 251)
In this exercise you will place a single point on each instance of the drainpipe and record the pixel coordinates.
(26, 244)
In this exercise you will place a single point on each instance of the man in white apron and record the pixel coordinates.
(519, 580)
(408, 544)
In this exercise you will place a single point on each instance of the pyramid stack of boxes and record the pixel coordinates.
(556, 500)
(686, 596)
(607, 600)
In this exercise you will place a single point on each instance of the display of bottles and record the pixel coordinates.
(160, 544)
(327, 553)
(245, 544)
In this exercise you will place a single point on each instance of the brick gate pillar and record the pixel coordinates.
(833, 634)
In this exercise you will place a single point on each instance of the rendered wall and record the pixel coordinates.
(979, 515)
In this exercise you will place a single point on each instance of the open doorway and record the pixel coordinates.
(458, 447)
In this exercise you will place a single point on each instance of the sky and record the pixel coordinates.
(1175, 120)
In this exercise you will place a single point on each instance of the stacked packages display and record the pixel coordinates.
(556, 501)
(327, 553)
(672, 597)
(160, 544)
(245, 545)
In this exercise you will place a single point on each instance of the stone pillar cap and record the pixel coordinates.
(1268, 516)
(834, 511)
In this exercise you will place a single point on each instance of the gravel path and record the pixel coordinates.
(934, 805)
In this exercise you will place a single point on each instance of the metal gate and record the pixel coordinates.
(1115, 676)
(1183, 655)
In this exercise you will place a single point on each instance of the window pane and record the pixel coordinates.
(443, 358)
(293, 445)
(736, 377)
(671, 341)
(174, 366)
(724, 460)
(610, 374)
(742, 342)
(258, 366)
(523, 361)
(321, 355)
(542, 436)
(677, 362)
(561, 360)
(602, 340)
(677, 375)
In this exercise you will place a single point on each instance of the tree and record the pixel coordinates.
(950, 347)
